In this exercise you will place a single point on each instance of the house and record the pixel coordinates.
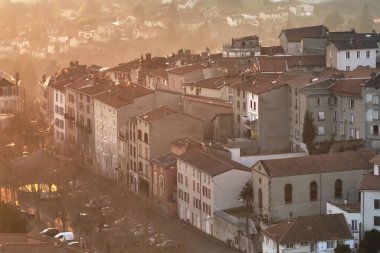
(301, 186)
(214, 87)
(155, 130)
(259, 112)
(207, 183)
(279, 16)
(349, 54)
(157, 78)
(371, 95)
(369, 187)
(302, 10)
(211, 12)
(242, 19)
(291, 39)
(315, 233)
(179, 75)
(191, 25)
(111, 111)
(154, 23)
(186, 5)
(122, 72)
(351, 212)
(336, 106)
(10, 94)
(244, 47)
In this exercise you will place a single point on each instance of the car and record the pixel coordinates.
(74, 243)
(169, 244)
(65, 236)
(51, 232)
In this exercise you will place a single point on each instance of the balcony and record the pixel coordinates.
(69, 117)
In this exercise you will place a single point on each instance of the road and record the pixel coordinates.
(132, 207)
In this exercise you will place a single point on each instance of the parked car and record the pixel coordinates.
(65, 236)
(73, 243)
(169, 244)
(50, 232)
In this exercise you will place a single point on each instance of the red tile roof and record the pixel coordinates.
(315, 164)
(260, 85)
(215, 83)
(208, 101)
(123, 95)
(186, 69)
(157, 113)
(351, 207)
(313, 228)
(297, 34)
(123, 67)
(271, 64)
(210, 163)
(351, 87)
(369, 182)
(375, 160)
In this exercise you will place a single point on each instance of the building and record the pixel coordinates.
(371, 95)
(207, 183)
(302, 10)
(369, 187)
(259, 112)
(316, 233)
(122, 72)
(155, 130)
(10, 94)
(244, 47)
(349, 54)
(112, 109)
(301, 186)
(292, 40)
(351, 212)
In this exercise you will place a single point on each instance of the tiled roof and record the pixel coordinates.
(315, 164)
(123, 67)
(215, 83)
(306, 60)
(160, 72)
(355, 44)
(157, 113)
(375, 160)
(123, 95)
(313, 228)
(374, 82)
(297, 34)
(260, 85)
(271, 64)
(274, 50)
(359, 72)
(298, 80)
(210, 164)
(96, 89)
(208, 101)
(167, 160)
(369, 182)
(186, 69)
(4, 82)
(351, 207)
(351, 87)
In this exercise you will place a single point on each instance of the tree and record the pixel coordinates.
(371, 241)
(309, 131)
(342, 248)
(246, 192)
(333, 20)
(11, 220)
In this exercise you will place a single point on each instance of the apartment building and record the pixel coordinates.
(10, 94)
(372, 107)
(244, 47)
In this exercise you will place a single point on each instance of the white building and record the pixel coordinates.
(316, 233)
(9, 94)
(351, 212)
(302, 10)
(207, 183)
(59, 110)
(369, 187)
(348, 55)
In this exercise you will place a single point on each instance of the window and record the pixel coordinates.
(332, 100)
(367, 54)
(330, 244)
(354, 225)
(351, 118)
(376, 220)
(238, 118)
(374, 130)
(321, 130)
(338, 189)
(321, 116)
(145, 137)
(376, 203)
(375, 99)
(313, 191)
(238, 104)
(347, 68)
(358, 54)
(351, 103)
(244, 106)
(304, 244)
(288, 193)
(290, 246)
(375, 115)
(334, 115)
(347, 54)
(238, 92)
(318, 101)
(139, 135)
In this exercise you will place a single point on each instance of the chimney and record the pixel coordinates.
(148, 56)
